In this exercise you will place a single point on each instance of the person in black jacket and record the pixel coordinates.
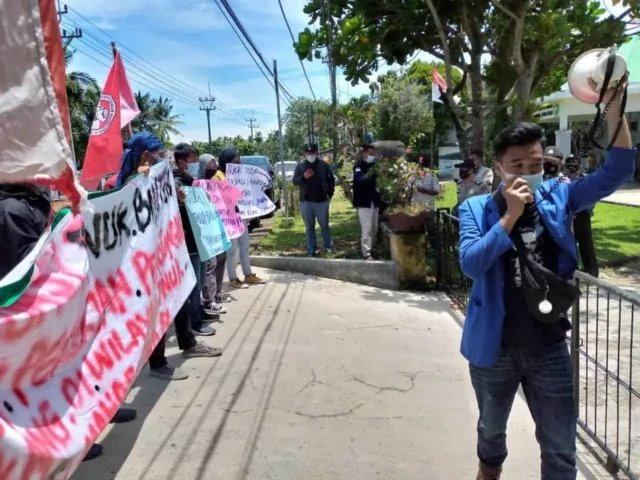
(317, 184)
(144, 150)
(366, 199)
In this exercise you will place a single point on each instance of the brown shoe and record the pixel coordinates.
(485, 472)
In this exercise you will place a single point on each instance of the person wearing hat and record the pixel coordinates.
(552, 165)
(366, 199)
(582, 223)
(468, 185)
(317, 184)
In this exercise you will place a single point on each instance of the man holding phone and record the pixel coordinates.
(317, 184)
(504, 238)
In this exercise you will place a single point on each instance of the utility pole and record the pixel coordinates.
(328, 20)
(284, 181)
(252, 125)
(207, 106)
(64, 10)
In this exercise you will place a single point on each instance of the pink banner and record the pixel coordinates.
(224, 197)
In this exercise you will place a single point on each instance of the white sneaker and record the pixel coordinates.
(214, 309)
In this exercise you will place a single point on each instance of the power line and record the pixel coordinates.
(121, 47)
(249, 40)
(224, 14)
(284, 15)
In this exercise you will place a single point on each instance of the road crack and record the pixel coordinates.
(313, 380)
(330, 415)
(397, 326)
(410, 375)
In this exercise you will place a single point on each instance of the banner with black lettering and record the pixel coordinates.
(81, 318)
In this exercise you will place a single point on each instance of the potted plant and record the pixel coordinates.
(396, 184)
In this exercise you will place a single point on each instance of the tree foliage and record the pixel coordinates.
(526, 40)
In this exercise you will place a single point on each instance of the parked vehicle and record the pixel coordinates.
(289, 168)
(272, 190)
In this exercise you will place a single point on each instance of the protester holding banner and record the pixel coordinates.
(213, 271)
(187, 161)
(145, 149)
(240, 245)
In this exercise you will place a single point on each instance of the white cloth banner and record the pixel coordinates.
(250, 181)
(98, 302)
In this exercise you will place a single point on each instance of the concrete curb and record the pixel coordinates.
(373, 273)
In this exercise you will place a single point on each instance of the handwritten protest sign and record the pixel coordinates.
(250, 180)
(206, 224)
(103, 290)
(225, 198)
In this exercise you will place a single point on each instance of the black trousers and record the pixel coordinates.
(584, 238)
(185, 336)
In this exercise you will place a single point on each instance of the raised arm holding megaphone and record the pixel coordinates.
(600, 77)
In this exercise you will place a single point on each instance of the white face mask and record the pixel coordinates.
(371, 159)
(310, 158)
(534, 180)
(193, 169)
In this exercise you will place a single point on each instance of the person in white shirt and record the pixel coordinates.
(480, 172)
(427, 188)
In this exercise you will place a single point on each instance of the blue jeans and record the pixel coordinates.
(195, 307)
(310, 211)
(547, 382)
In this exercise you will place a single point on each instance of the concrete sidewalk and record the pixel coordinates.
(627, 195)
(320, 379)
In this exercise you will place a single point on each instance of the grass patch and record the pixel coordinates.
(615, 227)
(616, 231)
(291, 241)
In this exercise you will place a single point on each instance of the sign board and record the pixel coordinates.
(250, 181)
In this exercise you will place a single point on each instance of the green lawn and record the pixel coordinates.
(345, 230)
(616, 231)
(616, 228)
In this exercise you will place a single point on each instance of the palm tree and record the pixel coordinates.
(163, 121)
(83, 95)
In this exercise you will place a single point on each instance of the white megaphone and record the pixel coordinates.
(586, 75)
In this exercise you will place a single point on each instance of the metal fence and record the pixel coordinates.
(605, 380)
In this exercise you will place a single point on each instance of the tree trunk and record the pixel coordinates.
(476, 140)
(525, 82)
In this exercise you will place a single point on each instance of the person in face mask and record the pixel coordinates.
(503, 339)
(553, 158)
(582, 223)
(469, 185)
(366, 200)
(316, 182)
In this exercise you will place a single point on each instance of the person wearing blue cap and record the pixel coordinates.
(143, 151)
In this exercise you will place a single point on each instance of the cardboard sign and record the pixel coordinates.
(250, 181)
(101, 293)
(225, 198)
(206, 224)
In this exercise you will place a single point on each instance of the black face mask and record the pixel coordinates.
(210, 172)
(572, 168)
(550, 168)
(464, 173)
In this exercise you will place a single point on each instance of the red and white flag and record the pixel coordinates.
(439, 83)
(116, 109)
(35, 132)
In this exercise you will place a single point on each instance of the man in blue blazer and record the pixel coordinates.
(505, 345)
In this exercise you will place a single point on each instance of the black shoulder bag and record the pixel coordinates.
(547, 296)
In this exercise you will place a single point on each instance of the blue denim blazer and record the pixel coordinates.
(483, 241)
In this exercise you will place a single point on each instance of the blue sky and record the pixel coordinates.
(193, 43)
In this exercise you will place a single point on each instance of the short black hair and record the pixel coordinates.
(477, 152)
(182, 151)
(517, 135)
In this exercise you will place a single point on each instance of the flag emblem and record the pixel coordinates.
(105, 114)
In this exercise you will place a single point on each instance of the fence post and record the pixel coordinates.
(439, 251)
(575, 349)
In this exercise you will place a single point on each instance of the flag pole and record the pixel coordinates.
(129, 130)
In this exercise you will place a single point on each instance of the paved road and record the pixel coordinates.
(319, 380)
(628, 195)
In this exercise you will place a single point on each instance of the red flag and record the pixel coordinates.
(117, 107)
(439, 83)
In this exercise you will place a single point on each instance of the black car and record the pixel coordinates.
(272, 190)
